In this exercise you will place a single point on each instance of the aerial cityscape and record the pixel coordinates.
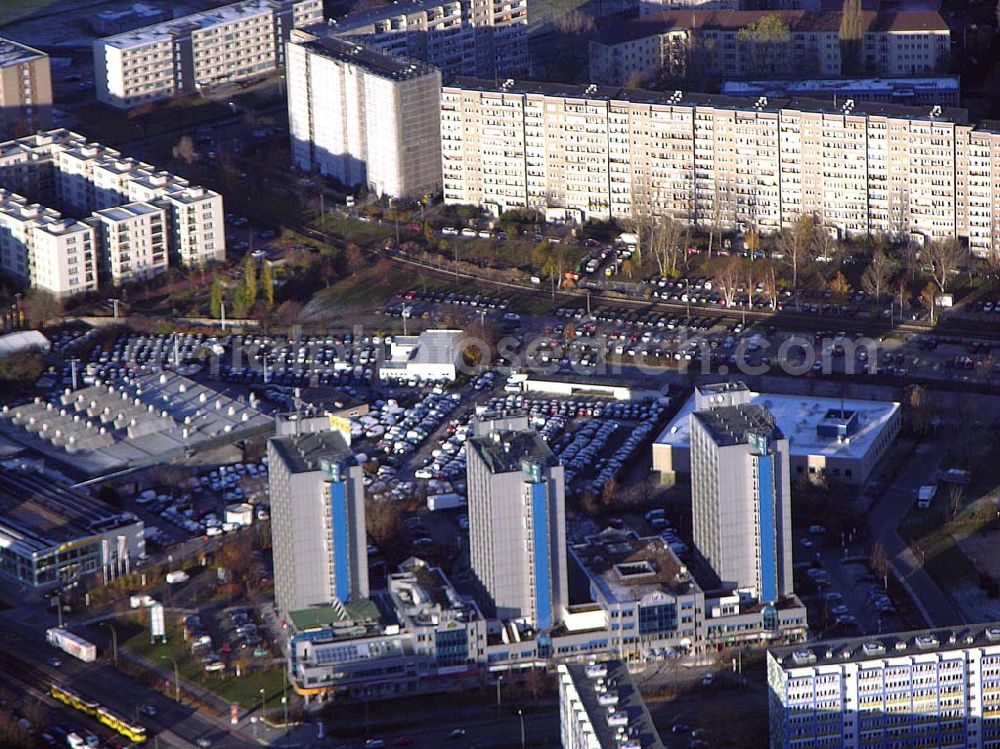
(494, 374)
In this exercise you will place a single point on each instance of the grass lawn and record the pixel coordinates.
(367, 291)
(932, 534)
(364, 292)
(243, 691)
(366, 234)
(109, 126)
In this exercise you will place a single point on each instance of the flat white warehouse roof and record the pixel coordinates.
(798, 417)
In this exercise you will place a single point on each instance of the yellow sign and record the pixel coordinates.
(78, 542)
(342, 425)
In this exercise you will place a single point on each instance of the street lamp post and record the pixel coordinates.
(114, 641)
(520, 715)
(284, 699)
(263, 703)
(177, 678)
(499, 679)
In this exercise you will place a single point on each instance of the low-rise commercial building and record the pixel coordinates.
(487, 38)
(423, 636)
(432, 356)
(617, 388)
(142, 420)
(600, 708)
(136, 221)
(418, 636)
(230, 43)
(929, 688)
(52, 535)
(363, 117)
(658, 605)
(25, 89)
(715, 43)
(834, 439)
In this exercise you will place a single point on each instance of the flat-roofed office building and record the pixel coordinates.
(51, 534)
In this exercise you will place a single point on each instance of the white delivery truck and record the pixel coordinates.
(72, 644)
(449, 501)
(925, 494)
(177, 576)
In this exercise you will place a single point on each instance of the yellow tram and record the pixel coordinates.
(132, 731)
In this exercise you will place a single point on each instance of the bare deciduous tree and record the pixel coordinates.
(944, 258)
(728, 276)
(928, 298)
(665, 244)
(878, 274)
(796, 243)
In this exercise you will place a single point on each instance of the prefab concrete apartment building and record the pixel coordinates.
(894, 43)
(486, 38)
(607, 152)
(930, 689)
(230, 43)
(600, 707)
(127, 220)
(25, 89)
(362, 116)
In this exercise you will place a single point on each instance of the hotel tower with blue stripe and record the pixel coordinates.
(517, 520)
(317, 521)
(740, 493)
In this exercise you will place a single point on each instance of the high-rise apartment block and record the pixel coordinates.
(517, 525)
(25, 89)
(930, 689)
(134, 221)
(317, 521)
(714, 43)
(486, 38)
(362, 116)
(595, 152)
(741, 493)
(600, 707)
(231, 43)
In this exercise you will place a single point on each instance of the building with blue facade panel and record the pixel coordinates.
(741, 496)
(517, 526)
(317, 521)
